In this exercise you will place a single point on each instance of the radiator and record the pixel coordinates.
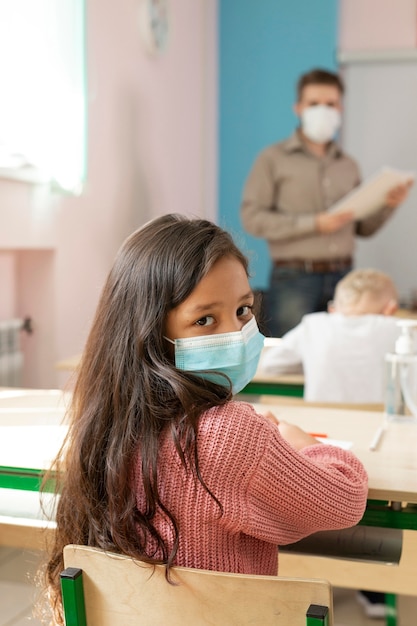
(11, 357)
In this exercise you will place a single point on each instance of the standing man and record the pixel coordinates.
(285, 201)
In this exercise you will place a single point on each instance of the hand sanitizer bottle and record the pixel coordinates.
(401, 376)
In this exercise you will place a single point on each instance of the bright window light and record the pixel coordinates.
(43, 99)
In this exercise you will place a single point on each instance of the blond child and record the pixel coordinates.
(341, 352)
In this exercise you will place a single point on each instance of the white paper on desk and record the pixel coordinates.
(340, 443)
(371, 195)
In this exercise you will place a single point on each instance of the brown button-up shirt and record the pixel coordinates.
(287, 186)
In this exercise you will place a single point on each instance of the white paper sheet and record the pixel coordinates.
(340, 443)
(371, 195)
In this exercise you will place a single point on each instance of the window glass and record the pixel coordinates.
(43, 94)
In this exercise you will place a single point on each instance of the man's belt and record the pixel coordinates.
(316, 266)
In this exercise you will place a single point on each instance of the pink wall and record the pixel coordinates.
(8, 285)
(152, 148)
(152, 132)
(377, 24)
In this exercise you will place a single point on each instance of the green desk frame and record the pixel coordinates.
(24, 479)
(264, 388)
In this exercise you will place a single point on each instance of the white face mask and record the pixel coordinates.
(320, 123)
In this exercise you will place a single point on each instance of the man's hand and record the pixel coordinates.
(398, 194)
(331, 222)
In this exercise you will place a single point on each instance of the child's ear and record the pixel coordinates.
(331, 307)
(390, 308)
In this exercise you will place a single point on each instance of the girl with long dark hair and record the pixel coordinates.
(160, 461)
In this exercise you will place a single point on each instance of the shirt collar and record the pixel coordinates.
(295, 144)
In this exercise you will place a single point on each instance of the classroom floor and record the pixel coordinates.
(17, 568)
(17, 591)
(349, 613)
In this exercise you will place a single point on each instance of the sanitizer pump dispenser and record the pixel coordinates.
(401, 376)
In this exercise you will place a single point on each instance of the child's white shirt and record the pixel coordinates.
(342, 356)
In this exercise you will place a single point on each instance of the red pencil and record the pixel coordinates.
(317, 435)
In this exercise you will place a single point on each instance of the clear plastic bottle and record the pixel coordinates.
(401, 376)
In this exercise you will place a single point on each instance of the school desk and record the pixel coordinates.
(270, 384)
(70, 364)
(31, 432)
(391, 507)
(31, 435)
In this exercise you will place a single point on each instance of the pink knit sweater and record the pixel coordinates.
(270, 493)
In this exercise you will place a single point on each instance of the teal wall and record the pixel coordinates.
(264, 45)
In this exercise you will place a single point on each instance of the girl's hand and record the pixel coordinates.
(296, 437)
(271, 417)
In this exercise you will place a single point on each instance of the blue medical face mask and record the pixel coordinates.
(234, 354)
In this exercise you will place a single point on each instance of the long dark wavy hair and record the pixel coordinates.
(128, 391)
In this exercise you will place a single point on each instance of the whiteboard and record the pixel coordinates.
(379, 128)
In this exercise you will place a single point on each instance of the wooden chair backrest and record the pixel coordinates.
(120, 591)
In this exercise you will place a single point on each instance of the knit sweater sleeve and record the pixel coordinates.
(292, 494)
